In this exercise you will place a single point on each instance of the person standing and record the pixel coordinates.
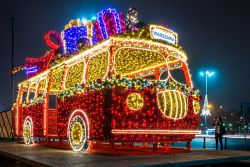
(217, 123)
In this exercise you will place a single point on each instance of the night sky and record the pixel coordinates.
(215, 34)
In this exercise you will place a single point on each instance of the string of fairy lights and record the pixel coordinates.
(57, 75)
(97, 67)
(74, 75)
(129, 60)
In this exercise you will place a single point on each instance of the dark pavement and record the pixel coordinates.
(45, 156)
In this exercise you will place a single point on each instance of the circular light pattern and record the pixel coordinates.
(77, 133)
(27, 131)
(135, 101)
(196, 106)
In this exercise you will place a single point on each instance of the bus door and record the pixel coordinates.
(52, 115)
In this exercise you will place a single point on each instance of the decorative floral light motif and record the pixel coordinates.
(33, 102)
(127, 83)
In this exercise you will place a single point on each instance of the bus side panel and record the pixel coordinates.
(35, 112)
(92, 104)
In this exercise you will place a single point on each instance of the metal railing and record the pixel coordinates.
(6, 128)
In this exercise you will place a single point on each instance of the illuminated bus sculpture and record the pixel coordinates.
(101, 81)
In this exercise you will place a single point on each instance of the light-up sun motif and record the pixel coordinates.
(135, 101)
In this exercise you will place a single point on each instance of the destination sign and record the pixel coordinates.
(163, 34)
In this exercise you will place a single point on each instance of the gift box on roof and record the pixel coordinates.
(71, 36)
(109, 22)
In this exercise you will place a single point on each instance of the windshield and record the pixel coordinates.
(150, 65)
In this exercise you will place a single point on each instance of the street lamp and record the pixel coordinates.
(205, 109)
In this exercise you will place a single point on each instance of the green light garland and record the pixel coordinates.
(127, 83)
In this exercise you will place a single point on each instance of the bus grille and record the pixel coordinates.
(172, 103)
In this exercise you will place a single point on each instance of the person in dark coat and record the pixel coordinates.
(217, 123)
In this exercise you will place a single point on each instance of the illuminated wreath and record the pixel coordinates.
(135, 101)
(77, 133)
(28, 131)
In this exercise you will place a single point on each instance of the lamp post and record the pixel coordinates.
(205, 109)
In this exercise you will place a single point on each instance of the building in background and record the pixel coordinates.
(234, 119)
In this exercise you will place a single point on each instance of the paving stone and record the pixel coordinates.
(47, 156)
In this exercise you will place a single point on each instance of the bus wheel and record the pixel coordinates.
(28, 131)
(78, 134)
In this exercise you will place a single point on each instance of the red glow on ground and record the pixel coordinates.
(130, 150)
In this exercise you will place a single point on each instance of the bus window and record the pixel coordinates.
(52, 101)
(178, 75)
(150, 77)
(24, 96)
(40, 95)
(31, 95)
(164, 75)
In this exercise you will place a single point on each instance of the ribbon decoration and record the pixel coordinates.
(42, 63)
